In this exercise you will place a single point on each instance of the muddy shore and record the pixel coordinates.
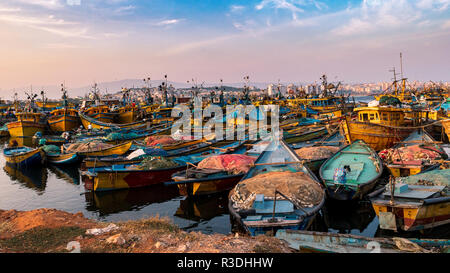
(52, 231)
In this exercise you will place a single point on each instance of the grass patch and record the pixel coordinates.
(41, 239)
(154, 223)
(265, 248)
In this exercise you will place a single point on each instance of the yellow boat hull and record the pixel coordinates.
(446, 125)
(377, 136)
(63, 123)
(105, 126)
(22, 159)
(24, 128)
(415, 217)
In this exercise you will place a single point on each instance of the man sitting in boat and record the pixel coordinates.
(340, 174)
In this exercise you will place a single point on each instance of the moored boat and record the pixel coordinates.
(416, 202)
(258, 211)
(27, 124)
(24, 156)
(360, 167)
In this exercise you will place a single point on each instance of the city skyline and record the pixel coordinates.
(46, 42)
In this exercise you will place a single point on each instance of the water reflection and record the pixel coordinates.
(203, 208)
(349, 217)
(70, 174)
(110, 202)
(33, 178)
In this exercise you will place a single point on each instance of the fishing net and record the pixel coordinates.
(431, 178)
(51, 149)
(152, 163)
(412, 155)
(315, 153)
(233, 163)
(119, 136)
(300, 188)
(88, 147)
(388, 100)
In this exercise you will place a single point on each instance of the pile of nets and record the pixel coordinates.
(161, 140)
(412, 155)
(119, 136)
(431, 178)
(232, 163)
(388, 100)
(315, 153)
(156, 162)
(87, 147)
(51, 149)
(300, 188)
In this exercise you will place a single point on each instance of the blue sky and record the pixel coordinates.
(47, 41)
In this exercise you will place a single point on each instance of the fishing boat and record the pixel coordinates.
(446, 126)
(24, 156)
(91, 122)
(27, 124)
(381, 127)
(362, 165)
(415, 202)
(266, 213)
(63, 119)
(63, 159)
(102, 152)
(407, 167)
(301, 134)
(146, 151)
(127, 114)
(326, 242)
(126, 176)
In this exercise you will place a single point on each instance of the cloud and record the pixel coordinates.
(124, 9)
(48, 4)
(236, 8)
(168, 22)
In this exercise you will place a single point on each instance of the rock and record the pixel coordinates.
(99, 231)
(236, 235)
(158, 244)
(181, 248)
(116, 239)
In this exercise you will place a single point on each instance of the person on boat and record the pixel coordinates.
(90, 127)
(14, 143)
(340, 174)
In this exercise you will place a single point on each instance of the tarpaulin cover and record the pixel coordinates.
(431, 178)
(232, 163)
(299, 187)
(162, 140)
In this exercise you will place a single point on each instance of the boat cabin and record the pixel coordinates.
(27, 116)
(381, 115)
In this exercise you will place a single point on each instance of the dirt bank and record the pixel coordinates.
(49, 230)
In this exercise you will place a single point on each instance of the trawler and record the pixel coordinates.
(29, 122)
(63, 119)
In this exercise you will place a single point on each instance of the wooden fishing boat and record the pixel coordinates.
(63, 120)
(407, 168)
(101, 113)
(122, 177)
(48, 105)
(27, 125)
(100, 124)
(122, 160)
(446, 126)
(196, 181)
(365, 169)
(416, 202)
(114, 150)
(380, 127)
(304, 134)
(326, 242)
(24, 156)
(63, 159)
(269, 215)
(127, 114)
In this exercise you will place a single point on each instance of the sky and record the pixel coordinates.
(46, 42)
